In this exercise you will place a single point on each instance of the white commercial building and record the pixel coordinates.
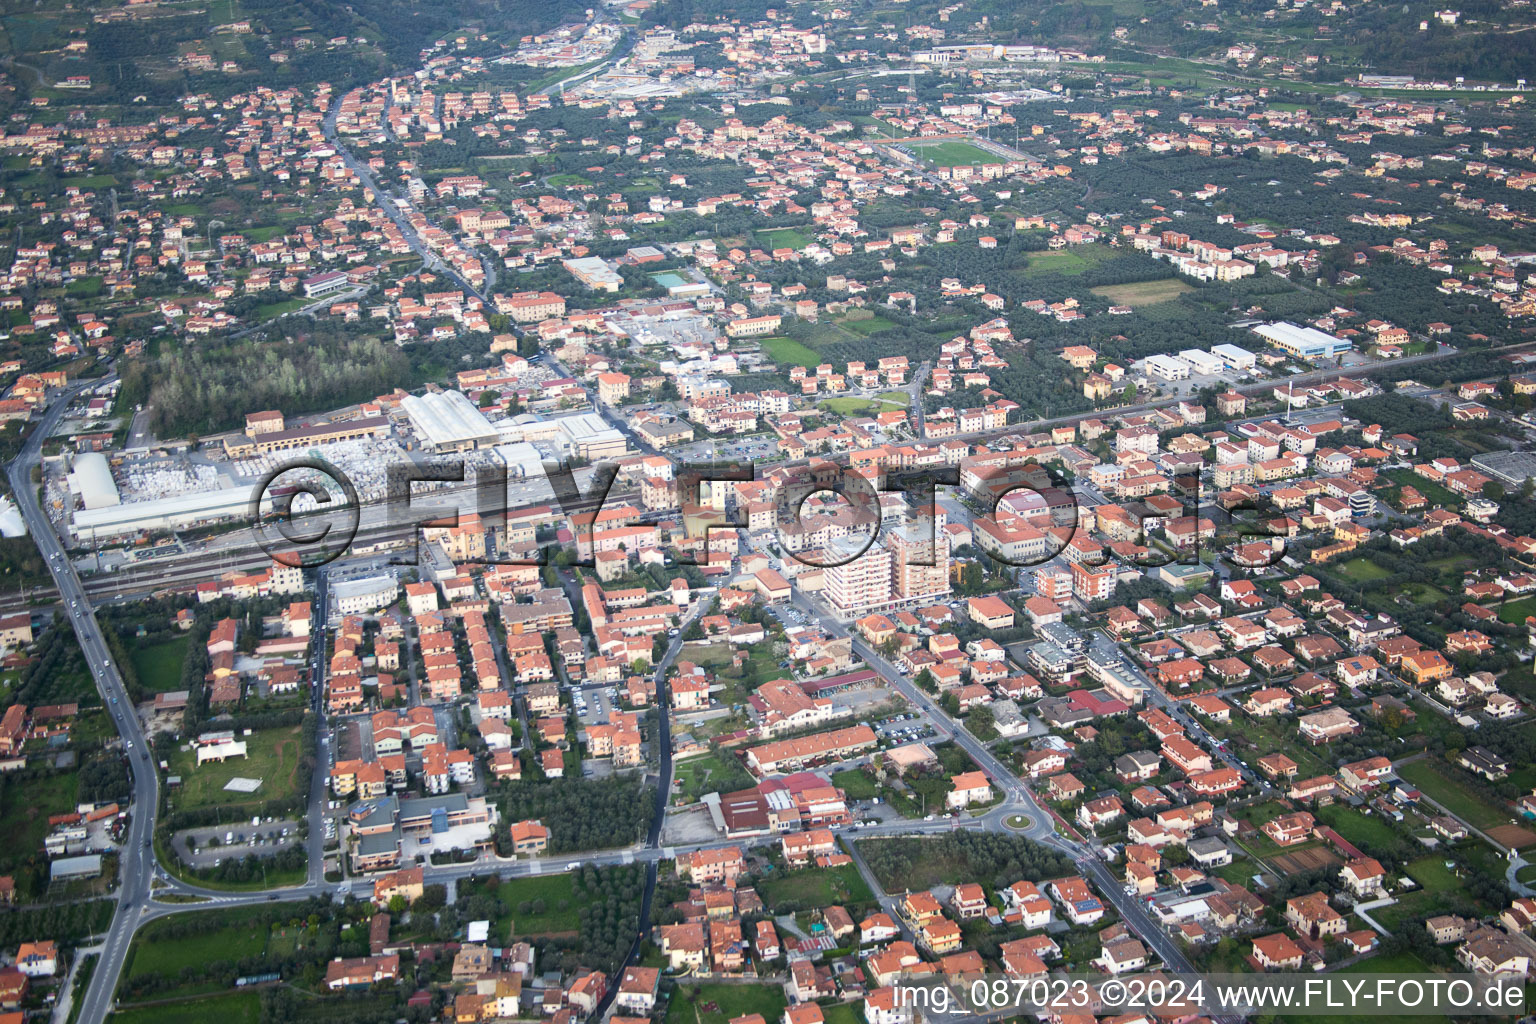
(522, 460)
(446, 421)
(1167, 367)
(593, 272)
(1235, 358)
(1202, 362)
(588, 436)
(179, 512)
(360, 596)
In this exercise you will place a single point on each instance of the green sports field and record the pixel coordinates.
(951, 153)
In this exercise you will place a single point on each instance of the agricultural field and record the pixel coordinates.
(1362, 570)
(789, 352)
(862, 322)
(230, 1008)
(26, 803)
(851, 406)
(1387, 963)
(158, 950)
(273, 757)
(1068, 262)
(783, 238)
(696, 776)
(856, 784)
(520, 900)
(814, 887)
(1369, 832)
(1516, 612)
(1142, 293)
(1432, 874)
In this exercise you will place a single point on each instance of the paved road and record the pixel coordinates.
(1018, 799)
(136, 864)
(392, 210)
(194, 566)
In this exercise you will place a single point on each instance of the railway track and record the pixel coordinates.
(189, 568)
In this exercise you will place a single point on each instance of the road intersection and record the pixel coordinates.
(148, 891)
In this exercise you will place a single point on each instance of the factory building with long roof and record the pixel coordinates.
(446, 421)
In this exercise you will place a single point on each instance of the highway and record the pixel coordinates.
(136, 865)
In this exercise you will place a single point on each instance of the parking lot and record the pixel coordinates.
(594, 704)
(211, 846)
(909, 727)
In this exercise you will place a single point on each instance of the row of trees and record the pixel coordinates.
(64, 923)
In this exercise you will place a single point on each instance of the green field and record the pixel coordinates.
(244, 934)
(231, 1008)
(1435, 494)
(719, 1004)
(864, 323)
(709, 655)
(1432, 874)
(1069, 262)
(1362, 570)
(951, 153)
(1387, 963)
(1440, 784)
(855, 784)
(159, 665)
(1142, 293)
(561, 914)
(789, 352)
(1517, 611)
(273, 310)
(273, 757)
(814, 887)
(1371, 834)
(707, 774)
(25, 805)
(842, 1013)
(850, 406)
(783, 238)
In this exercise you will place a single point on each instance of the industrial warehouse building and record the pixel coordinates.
(595, 274)
(180, 512)
(1303, 342)
(446, 421)
(1202, 362)
(91, 478)
(106, 515)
